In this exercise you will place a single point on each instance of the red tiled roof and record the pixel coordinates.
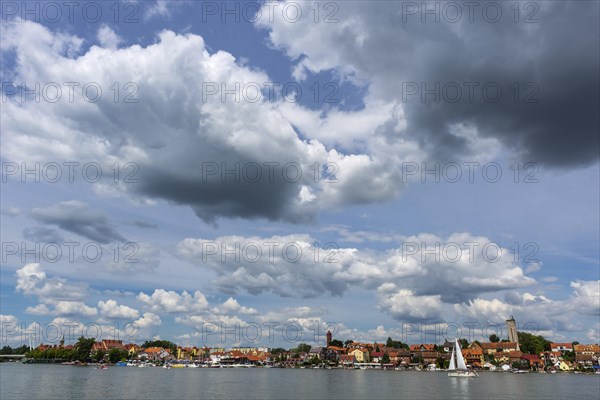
(499, 345)
(530, 357)
(112, 344)
(155, 350)
(561, 345)
(587, 347)
(425, 346)
(252, 357)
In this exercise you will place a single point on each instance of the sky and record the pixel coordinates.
(257, 173)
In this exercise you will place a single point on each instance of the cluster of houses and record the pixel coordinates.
(204, 355)
(586, 355)
(486, 355)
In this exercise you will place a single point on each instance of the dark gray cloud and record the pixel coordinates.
(77, 217)
(553, 120)
(557, 52)
(43, 234)
(223, 196)
(144, 224)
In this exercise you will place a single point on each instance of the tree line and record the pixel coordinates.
(7, 350)
(82, 351)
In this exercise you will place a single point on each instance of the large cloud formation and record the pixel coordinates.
(556, 319)
(456, 268)
(175, 133)
(552, 45)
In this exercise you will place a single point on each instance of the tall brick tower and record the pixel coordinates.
(328, 338)
(511, 326)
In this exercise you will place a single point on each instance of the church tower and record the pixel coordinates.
(328, 338)
(511, 326)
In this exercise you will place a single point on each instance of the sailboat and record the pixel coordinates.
(458, 368)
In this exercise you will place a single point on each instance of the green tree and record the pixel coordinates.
(494, 338)
(348, 342)
(99, 355)
(395, 344)
(116, 355)
(385, 359)
(6, 350)
(51, 353)
(277, 350)
(303, 348)
(165, 344)
(84, 347)
(65, 354)
(21, 350)
(463, 343)
(418, 359)
(533, 344)
(569, 356)
(337, 343)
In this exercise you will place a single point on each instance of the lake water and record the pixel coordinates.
(39, 381)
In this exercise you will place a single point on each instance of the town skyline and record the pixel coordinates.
(522, 351)
(177, 169)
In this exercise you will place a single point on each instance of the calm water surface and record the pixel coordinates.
(38, 381)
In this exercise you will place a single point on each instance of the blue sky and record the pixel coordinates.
(175, 214)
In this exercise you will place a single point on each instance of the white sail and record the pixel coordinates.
(460, 370)
(452, 366)
(460, 361)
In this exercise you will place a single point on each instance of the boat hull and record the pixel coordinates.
(463, 374)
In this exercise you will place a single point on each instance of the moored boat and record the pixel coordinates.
(458, 368)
